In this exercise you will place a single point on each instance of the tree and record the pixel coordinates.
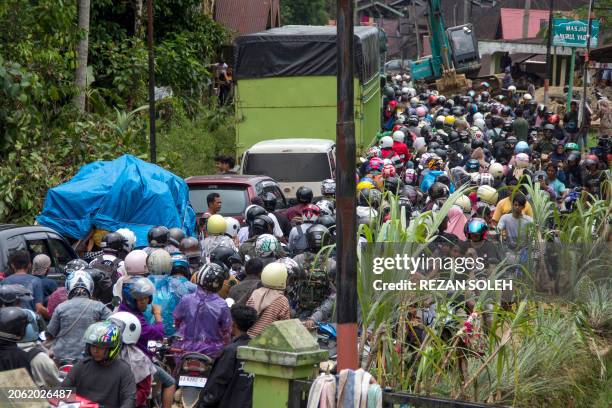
(306, 12)
(82, 50)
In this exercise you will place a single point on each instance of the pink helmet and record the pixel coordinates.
(388, 171)
(373, 151)
(376, 161)
(421, 111)
(136, 262)
(410, 177)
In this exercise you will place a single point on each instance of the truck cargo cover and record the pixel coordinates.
(302, 51)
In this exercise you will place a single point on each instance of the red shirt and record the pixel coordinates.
(387, 153)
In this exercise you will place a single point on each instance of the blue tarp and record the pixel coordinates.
(123, 193)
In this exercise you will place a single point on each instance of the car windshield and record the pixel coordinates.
(289, 167)
(233, 198)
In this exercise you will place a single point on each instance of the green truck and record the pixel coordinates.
(286, 85)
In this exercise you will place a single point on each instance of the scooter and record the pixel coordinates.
(192, 374)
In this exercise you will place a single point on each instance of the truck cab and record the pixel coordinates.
(292, 163)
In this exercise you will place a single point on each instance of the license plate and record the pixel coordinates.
(185, 381)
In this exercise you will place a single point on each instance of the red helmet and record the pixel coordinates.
(432, 100)
(388, 170)
(554, 119)
(311, 212)
(393, 104)
(397, 127)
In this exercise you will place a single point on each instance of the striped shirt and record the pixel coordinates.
(278, 310)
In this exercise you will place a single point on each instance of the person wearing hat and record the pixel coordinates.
(40, 267)
(269, 301)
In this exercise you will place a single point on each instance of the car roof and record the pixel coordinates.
(227, 179)
(22, 229)
(286, 145)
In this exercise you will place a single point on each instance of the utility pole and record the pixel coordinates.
(548, 45)
(346, 276)
(152, 145)
(413, 14)
(467, 11)
(583, 105)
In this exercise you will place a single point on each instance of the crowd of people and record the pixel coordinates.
(277, 264)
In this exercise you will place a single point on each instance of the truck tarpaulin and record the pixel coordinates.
(302, 51)
(123, 193)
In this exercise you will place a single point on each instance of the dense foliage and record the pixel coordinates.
(306, 12)
(44, 139)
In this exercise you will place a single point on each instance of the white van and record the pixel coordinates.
(292, 163)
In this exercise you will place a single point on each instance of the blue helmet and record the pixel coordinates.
(33, 327)
(136, 287)
(521, 147)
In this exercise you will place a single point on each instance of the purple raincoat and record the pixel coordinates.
(148, 332)
(203, 322)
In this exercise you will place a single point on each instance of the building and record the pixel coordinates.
(240, 18)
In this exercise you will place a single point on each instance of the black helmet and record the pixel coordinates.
(389, 92)
(511, 141)
(10, 294)
(158, 237)
(223, 256)
(304, 195)
(190, 246)
(317, 237)
(176, 235)
(442, 153)
(476, 143)
(453, 137)
(458, 111)
(369, 198)
(113, 241)
(506, 111)
(464, 135)
(211, 277)
(438, 190)
(103, 284)
(269, 201)
(392, 184)
(413, 120)
(484, 96)
(444, 179)
(13, 323)
(262, 224)
(326, 220)
(252, 212)
(507, 127)
(410, 193)
(404, 202)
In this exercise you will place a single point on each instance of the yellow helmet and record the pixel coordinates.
(487, 194)
(449, 120)
(216, 224)
(362, 185)
(274, 276)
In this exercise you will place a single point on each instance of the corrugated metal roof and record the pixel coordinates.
(242, 19)
(512, 22)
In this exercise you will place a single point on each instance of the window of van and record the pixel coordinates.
(233, 198)
(289, 167)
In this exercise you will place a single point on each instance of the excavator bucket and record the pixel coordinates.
(451, 81)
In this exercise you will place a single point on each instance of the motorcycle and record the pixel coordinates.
(191, 371)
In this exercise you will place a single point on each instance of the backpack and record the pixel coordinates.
(107, 266)
(300, 244)
(313, 286)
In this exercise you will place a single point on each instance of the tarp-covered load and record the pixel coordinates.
(302, 51)
(123, 193)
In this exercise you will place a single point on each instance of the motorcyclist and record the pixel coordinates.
(203, 318)
(140, 365)
(399, 146)
(158, 237)
(267, 248)
(297, 238)
(314, 284)
(216, 227)
(43, 369)
(101, 376)
(190, 247)
(250, 214)
(72, 317)
(13, 322)
(304, 197)
(270, 202)
(137, 295)
(269, 301)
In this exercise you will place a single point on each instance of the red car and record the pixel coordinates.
(236, 192)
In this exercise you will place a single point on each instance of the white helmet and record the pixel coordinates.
(478, 115)
(480, 123)
(486, 179)
(274, 276)
(464, 202)
(405, 90)
(420, 146)
(365, 215)
(232, 226)
(79, 279)
(136, 262)
(512, 88)
(521, 160)
(440, 119)
(386, 142)
(414, 101)
(496, 170)
(399, 136)
(398, 78)
(527, 97)
(159, 262)
(487, 194)
(131, 326)
(326, 207)
(267, 245)
(412, 92)
(129, 236)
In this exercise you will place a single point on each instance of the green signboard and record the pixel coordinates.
(573, 33)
